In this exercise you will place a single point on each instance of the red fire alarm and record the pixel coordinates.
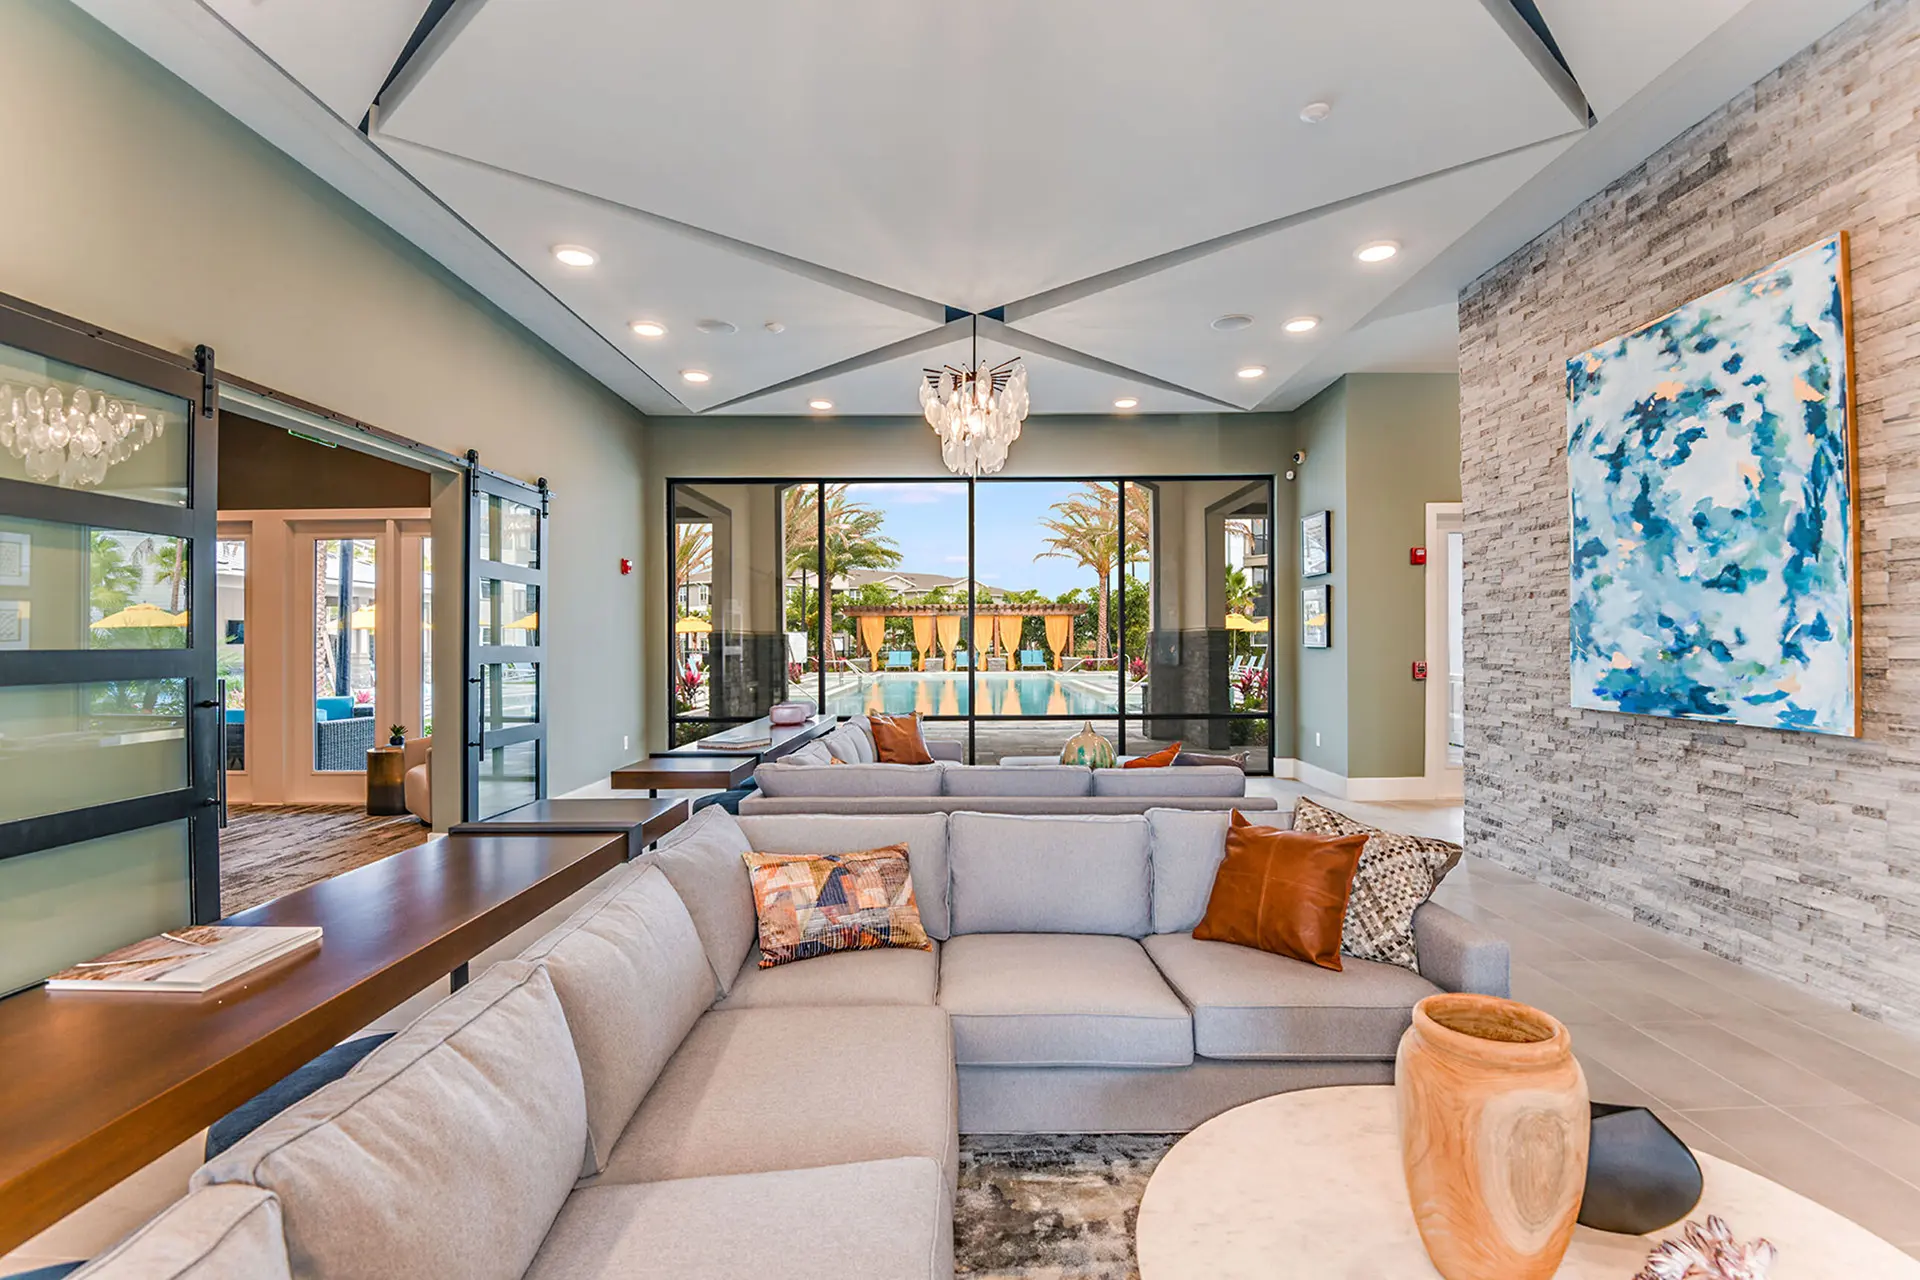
(1418, 555)
(1419, 671)
(626, 566)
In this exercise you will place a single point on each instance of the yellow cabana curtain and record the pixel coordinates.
(1059, 634)
(873, 632)
(949, 632)
(922, 637)
(1008, 625)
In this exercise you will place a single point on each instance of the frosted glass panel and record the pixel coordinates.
(67, 426)
(509, 778)
(62, 905)
(68, 746)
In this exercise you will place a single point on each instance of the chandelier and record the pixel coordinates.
(976, 411)
(71, 441)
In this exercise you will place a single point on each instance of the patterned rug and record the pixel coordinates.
(1052, 1207)
(269, 850)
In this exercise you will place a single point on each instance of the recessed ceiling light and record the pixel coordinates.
(1378, 251)
(774, 326)
(695, 375)
(716, 326)
(1227, 324)
(649, 328)
(1302, 324)
(819, 406)
(1315, 112)
(1127, 402)
(575, 255)
(1253, 371)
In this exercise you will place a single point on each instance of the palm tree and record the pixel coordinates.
(111, 577)
(692, 551)
(1086, 530)
(854, 541)
(1241, 597)
(170, 557)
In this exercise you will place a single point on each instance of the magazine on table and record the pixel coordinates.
(195, 960)
(737, 740)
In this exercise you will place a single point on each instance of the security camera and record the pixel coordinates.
(1299, 456)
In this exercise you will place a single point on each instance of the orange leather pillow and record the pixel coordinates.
(897, 740)
(1158, 760)
(1282, 891)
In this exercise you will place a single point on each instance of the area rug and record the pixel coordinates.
(1052, 1207)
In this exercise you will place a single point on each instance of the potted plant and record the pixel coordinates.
(396, 735)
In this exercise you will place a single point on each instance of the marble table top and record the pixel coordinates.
(1309, 1185)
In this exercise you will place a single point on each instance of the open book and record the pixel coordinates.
(198, 959)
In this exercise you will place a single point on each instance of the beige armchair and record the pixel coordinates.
(416, 757)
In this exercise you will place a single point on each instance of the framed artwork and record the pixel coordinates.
(16, 560)
(14, 619)
(1712, 494)
(1316, 616)
(1316, 544)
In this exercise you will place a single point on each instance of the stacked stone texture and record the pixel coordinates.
(1795, 854)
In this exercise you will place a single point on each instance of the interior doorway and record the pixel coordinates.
(326, 651)
(1446, 651)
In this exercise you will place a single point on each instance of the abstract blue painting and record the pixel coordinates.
(1710, 465)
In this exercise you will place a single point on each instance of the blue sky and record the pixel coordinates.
(929, 522)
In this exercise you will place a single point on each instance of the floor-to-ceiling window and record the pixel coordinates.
(1009, 613)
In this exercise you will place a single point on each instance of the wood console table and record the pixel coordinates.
(708, 771)
(100, 1084)
(641, 821)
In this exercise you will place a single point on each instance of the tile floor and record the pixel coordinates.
(1741, 1065)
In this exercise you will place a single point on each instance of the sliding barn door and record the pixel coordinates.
(506, 760)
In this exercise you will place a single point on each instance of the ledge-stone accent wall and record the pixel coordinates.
(1795, 854)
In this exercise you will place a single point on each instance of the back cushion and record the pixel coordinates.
(632, 979)
(1018, 780)
(1187, 848)
(1017, 874)
(447, 1152)
(842, 744)
(784, 781)
(702, 862)
(924, 834)
(218, 1233)
(862, 730)
(1214, 780)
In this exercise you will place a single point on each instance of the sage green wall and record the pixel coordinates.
(1320, 428)
(1380, 447)
(155, 214)
(1403, 451)
(900, 448)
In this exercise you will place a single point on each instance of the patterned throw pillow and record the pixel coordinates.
(1397, 873)
(815, 904)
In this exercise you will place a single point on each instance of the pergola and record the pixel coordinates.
(996, 626)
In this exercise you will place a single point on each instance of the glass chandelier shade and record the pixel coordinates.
(71, 442)
(976, 411)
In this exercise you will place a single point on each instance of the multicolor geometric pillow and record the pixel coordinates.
(814, 904)
(1397, 873)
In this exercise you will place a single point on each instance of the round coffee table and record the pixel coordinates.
(1309, 1185)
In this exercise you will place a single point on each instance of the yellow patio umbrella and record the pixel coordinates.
(691, 626)
(1241, 622)
(361, 618)
(530, 623)
(141, 615)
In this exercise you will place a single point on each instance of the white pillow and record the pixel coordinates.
(842, 744)
(814, 752)
(863, 740)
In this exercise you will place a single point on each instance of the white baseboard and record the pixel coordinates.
(1344, 788)
(1286, 769)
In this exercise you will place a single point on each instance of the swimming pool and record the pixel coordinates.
(1001, 693)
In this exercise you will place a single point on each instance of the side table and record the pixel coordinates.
(386, 781)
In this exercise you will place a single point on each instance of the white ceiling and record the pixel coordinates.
(1114, 174)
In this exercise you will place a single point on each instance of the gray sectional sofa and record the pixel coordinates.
(634, 1096)
(945, 787)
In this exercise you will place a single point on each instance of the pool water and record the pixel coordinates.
(1001, 693)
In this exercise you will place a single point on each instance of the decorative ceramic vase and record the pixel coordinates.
(789, 713)
(1493, 1136)
(1088, 748)
(1640, 1177)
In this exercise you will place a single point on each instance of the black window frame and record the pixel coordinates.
(482, 484)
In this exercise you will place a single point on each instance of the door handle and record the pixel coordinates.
(221, 746)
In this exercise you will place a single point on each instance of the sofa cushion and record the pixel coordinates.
(1019, 874)
(1282, 891)
(216, 1233)
(1186, 846)
(891, 976)
(448, 1151)
(786, 780)
(864, 750)
(814, 752)
(1205, 780)
(924, 834)
(875, 1219)
(898, 739)
(758, 1089)
(632, 980)
(1161, 759)
(816, 904)
(843, 743)
(1018, 780)
(1252, 1004)
(1053, 1000)
(703, 860)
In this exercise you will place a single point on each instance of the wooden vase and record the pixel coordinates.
(1493, 1136)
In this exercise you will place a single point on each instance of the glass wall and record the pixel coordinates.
(345, 624)
(1008, 613)
(230, 611)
